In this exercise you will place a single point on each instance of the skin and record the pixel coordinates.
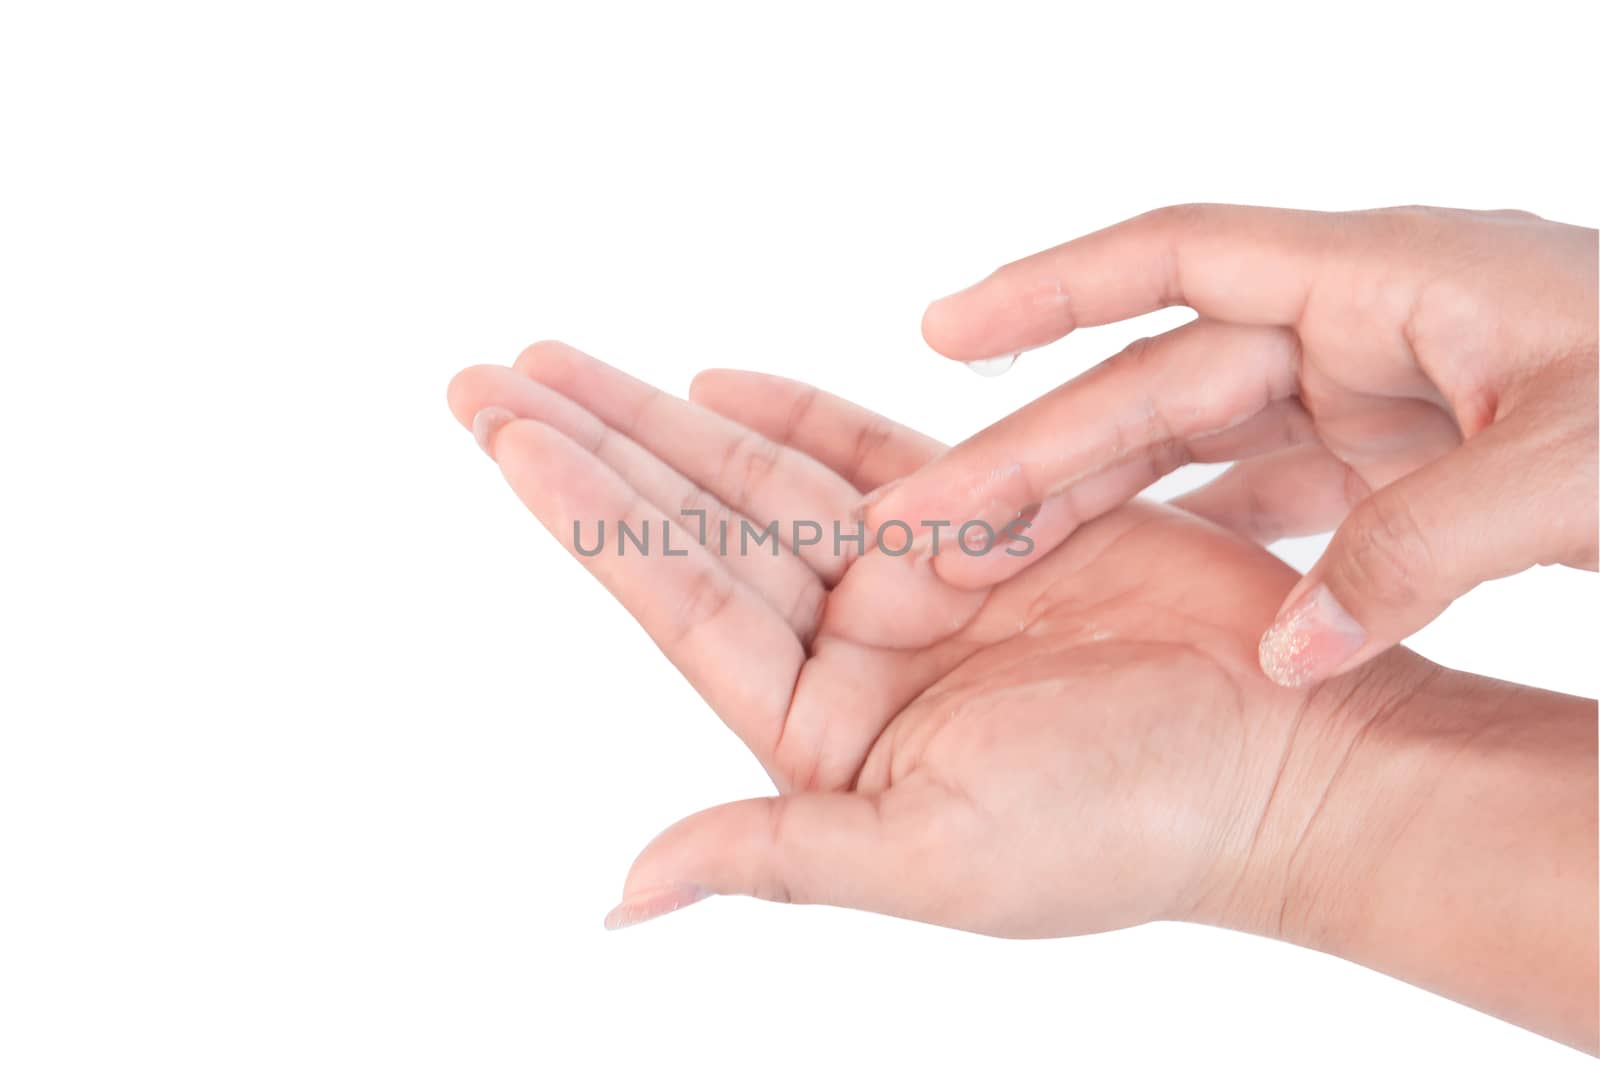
(1088, 746)
(1383, 373)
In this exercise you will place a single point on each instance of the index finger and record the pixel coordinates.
(1245, 265)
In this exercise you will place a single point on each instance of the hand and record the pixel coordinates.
(1093, 748)
(1422, 379)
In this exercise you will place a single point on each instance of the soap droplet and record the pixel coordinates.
(992, 368)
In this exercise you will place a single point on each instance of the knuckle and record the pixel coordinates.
(710, 513)
(1181, 215)
(805, 615)
(1259, 517)
(1147, 423)
(708, 595)
(1137, 353)
(1167, 455)
(776, 886)
(695, 499)
(1386, 552)
(747, 464)
(801, 411)
(871, 436)
(1156, 426)
(633, 422)
(600, 439)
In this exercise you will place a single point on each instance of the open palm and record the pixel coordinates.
(1085, 746)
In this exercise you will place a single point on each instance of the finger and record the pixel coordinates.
(1196, 390)
(884, 601)
(785, 582)
(1280, 425)
(1237, 264)
(978, 555)
(1520, 493)
(870, 851)
(1293, 493)
(861, 446)
(755, 476)
(729, 643)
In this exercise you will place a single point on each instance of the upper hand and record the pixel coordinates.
(1422, 379)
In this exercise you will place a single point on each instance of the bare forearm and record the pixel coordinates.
(1454, 845)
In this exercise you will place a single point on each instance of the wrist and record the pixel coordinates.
(1331, 785)
(1439, 827)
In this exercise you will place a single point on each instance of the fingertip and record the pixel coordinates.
(486, 427)
(531, 453)
(898, 602)
(970, 326)
(640, 907)
(547, 361)
(533, 439)
(554, 476)
(973, 573)
(465, 392)
(940, 322)
(1312, 639)
(708, 383)
(695, 856)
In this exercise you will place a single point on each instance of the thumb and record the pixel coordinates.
(853, 850)
(1498, 504)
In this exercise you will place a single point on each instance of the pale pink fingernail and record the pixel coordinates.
(1310, 640)
(867, 502)
(487, 423)
(637, 908)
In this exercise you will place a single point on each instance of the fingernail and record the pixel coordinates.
(652, 904)
(867, 502)
(977, 538)
(993, 367)
(487, 423)
(1310, 640)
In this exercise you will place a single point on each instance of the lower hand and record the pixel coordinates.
(1093, 747)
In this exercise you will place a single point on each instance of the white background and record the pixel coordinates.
(316, 749)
